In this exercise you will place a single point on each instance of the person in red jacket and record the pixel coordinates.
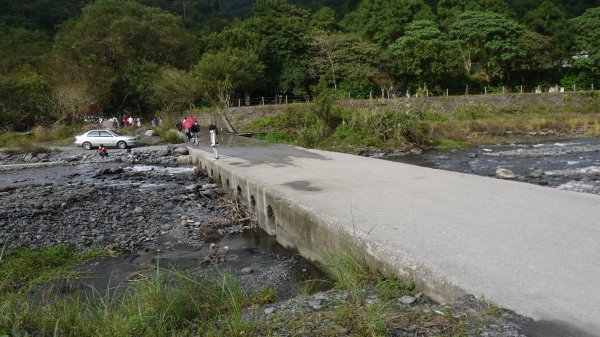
(102, 151)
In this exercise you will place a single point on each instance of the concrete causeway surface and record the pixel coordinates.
(531, 249)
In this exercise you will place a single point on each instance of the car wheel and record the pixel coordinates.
(122, 145)
(87, 145)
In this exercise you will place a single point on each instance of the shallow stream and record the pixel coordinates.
(572, 165)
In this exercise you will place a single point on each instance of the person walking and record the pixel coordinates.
(214, 142)
(195, 129)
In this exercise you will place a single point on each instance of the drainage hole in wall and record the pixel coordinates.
(270, 211)
(252, 201)
(239, 190)
(227, 182)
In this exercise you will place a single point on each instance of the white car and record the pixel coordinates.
(108, 138)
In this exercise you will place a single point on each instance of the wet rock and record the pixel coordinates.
(138, 210)
(184, 223)
(407, 300)
(163, 152)
(181, 151)
(184, 160)
(269, 310)
(116, 170)
(505, 173)
(34, 160)
(315, 305)
(28, 157)
(247, 270)
(536, 173)
(472, 155)
(149, 133)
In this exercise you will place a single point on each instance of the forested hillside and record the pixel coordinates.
(60, 58)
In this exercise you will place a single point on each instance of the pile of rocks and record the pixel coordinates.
(119, 208)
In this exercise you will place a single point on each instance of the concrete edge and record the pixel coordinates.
(319, 238)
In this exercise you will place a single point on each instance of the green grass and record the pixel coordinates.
(21, 270)
(11, 138)
(165, 303)
(174, 303)
(358, 129)
(25, 145)
(39, 138)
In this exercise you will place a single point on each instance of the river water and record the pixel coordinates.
(568, 165)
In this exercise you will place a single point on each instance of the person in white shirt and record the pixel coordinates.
(214, 142)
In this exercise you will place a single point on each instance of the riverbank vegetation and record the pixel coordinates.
(62, 61)
(382, 127)
(41, 295)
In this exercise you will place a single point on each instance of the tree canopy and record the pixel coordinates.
(147, 55)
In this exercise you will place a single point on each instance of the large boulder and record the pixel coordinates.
(181, 150)
(141, 130)
(184, 160)
(505, 173)
(163, 152)
(149, 133)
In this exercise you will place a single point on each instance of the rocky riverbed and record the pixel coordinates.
(148, 207)
(151, 207)
(567, 165)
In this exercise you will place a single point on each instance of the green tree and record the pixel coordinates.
(113, 37)
(23, 97)
(537, 53)
(45, 15)
(283, 28)
(344, 57)
(19, 46)
(489, 40)
(547, 19)
(324, 19)
(586, 34)
(222, 73)
(449, 10)
(234, 38)
(173, 89)
(383, 21)
(426, 54)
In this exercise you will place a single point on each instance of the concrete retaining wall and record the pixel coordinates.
(316, 237)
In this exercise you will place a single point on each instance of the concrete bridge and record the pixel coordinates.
(531, 249)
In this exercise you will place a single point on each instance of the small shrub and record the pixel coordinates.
(276, 137)
(472, 111)
(390, 288)
(41, 134)
(25, 145)
(171, 137)
(432, 115)
(9, 138)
